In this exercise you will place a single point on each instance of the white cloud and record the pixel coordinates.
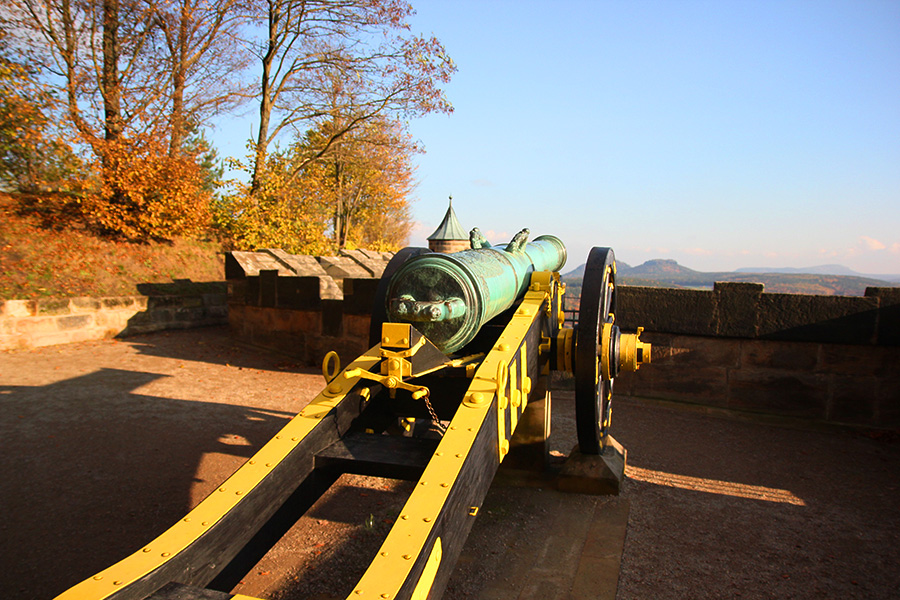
(496, 237)
(872, 243)
(895, 248)
(698, 251)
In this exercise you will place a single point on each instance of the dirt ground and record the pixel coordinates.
(106, 444)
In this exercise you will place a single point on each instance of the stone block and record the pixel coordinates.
(690, 312)
(342, 267)
(189, 315)
(332, 318)
(861, 361)
(218, 313)
(19, 308)
(305, 266)
(85, 304)
(373, 262)
(799, 356)
(826, 319)
(215, 300)
(268, 288)
(69, 322)
(299, 293)
(737, 308)
(46, 339)
(357, 326)
(117, 302)
(697, 352)
(191, 301)
(853, 400)
(887, 401)
(704, 385)
(595, 474)
(888, 314)
(53, 306)
(778, 392)
(359, 295)
(33, 326)
(161, 302)
(140, 302)
(249, 264)
(329, 289)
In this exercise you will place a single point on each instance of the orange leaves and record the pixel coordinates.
(148, 194)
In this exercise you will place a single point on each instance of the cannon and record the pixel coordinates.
(462, 345)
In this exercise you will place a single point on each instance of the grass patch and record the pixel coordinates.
(45, 253)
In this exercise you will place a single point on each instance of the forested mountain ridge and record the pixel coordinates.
(668, 273)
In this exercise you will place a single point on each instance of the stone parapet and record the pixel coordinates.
(832, 359)
(836, 383)
(51, 321)
(744, 310)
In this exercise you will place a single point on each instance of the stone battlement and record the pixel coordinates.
(823, 358)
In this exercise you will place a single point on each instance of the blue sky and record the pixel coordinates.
(720, 134)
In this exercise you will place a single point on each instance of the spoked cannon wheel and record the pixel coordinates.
(593, 381)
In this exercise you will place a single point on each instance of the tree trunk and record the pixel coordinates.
(267, 102)
(179, 76)
(110, 88)
(110, 74)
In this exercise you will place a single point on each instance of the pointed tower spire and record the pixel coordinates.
(450, 235)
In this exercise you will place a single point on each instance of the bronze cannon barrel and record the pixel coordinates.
(448, 297)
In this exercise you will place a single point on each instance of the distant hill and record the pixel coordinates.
(821, 270)
(668, 273)
(578, 272)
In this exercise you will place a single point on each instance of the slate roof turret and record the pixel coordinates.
(449, 229)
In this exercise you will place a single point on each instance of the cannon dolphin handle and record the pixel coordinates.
(449, 297)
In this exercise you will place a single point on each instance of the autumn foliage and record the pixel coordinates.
(146, 193)
(101, 99)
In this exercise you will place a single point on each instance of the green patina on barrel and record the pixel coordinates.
(448, 297)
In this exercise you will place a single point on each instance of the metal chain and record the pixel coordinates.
(434, 417)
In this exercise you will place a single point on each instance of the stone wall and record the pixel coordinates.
(825, 358)
(46, 322)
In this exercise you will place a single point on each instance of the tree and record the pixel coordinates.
(32, 155)
(201, 51)
(275, 215)
(346, 63)
(364, 180)
(127, 73)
